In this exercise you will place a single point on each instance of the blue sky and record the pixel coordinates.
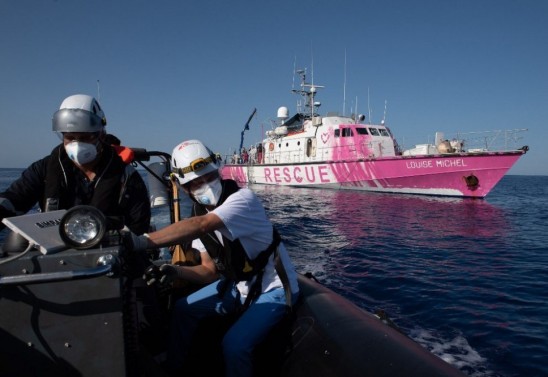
(176, 70)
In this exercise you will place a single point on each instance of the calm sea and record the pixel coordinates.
(465, 278)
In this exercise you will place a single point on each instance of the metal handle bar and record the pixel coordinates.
(106, 266)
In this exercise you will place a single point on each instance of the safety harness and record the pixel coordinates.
(233, 262)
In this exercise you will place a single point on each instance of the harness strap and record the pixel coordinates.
(282, 273)
(256, 288)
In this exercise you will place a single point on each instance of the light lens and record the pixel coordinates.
(82, 227)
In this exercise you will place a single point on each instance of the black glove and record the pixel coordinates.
(169, 273)
(166, 274)
(133, 242)
(152, 274)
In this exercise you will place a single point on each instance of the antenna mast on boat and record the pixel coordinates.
(308, 92)
(98, 92)
(344, 85)
(302, 74)
(294, 70)
(356, 112)
(312, 67)
(311, 92)
(384, 115)
(368, 107)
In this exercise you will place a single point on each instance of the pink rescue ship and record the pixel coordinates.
(342, 152)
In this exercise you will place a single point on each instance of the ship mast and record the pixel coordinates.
(308, 92)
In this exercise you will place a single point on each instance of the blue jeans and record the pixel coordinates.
(238, 344)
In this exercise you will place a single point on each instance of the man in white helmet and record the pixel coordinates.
(83, 169)
(243, 261)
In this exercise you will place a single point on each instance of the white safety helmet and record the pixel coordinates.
(79, 113)
(192, 159)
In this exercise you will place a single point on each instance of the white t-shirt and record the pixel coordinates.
(244, 218)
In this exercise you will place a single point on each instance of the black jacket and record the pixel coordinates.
(129, 198)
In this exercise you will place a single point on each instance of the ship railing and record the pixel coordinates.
(494, 140)
(497, 140)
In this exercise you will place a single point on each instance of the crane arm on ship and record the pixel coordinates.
(246, 127)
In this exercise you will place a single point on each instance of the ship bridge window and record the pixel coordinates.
(374, 131)
(361, 130)
(384, 132)
(346, 132)
(337, 133)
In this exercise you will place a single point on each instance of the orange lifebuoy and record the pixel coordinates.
(271, 147)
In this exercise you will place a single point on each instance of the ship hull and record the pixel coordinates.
(460, 175)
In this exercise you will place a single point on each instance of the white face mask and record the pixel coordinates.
(81, 153)
(209, 193)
